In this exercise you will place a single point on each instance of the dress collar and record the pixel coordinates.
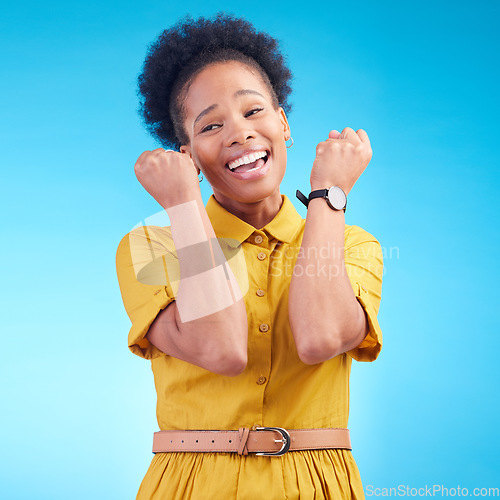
(226, 225)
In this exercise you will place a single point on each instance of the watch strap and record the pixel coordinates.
(302, 198)
(318, 193)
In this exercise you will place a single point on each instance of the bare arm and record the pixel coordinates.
(207, 324)
(325, 317)
(188, 329)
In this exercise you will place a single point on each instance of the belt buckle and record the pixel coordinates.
(285, 439)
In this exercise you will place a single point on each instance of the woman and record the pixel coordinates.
(250, 315)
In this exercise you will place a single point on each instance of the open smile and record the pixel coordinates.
(250, 165)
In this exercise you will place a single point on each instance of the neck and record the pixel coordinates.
(258, 213)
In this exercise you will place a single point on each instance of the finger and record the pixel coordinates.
(142, 156)
(349, 134)
(363, 136)
(159, 151)
(334, 134)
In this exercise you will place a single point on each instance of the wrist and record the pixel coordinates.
(334, 196)
(327, 185)
(181, 197)
(319, 205)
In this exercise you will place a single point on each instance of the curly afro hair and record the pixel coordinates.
(181, 52)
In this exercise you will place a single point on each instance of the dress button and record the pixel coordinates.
(261, 255)
(260, 293)
(261, 380)
(264, 327)
(258, 239)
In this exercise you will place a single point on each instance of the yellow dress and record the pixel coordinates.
(275, 389)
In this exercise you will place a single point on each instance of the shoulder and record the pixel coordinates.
(355, 235)
(147, 251)
(145, 237)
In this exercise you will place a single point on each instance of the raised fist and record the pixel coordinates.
(169, 177)
(341, 159)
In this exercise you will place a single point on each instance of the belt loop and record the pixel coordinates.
(242, 446)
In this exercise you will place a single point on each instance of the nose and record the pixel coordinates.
(238, 132)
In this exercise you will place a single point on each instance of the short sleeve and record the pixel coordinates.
(364, 264)
(141, 266)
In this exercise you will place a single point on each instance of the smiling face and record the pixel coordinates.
(236, 136)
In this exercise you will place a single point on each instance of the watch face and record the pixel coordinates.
(337, 198)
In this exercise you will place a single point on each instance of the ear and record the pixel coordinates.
(284, 122)
(186, 149)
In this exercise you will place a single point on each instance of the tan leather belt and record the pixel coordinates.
(273, 441)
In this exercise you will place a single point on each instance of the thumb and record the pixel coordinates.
(334, 134)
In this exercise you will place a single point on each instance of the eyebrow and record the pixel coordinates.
(204, 112)
(246, 91)
(213, 106)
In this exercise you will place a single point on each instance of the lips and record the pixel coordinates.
(252, 170)
(247, 162)
(246, 156)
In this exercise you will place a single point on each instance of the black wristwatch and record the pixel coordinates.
(335, 197)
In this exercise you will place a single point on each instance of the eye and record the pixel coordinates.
(253, 111)
(207, 128)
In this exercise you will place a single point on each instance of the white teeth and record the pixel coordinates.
(244, 160)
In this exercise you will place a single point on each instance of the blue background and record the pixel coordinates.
(78, 409)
